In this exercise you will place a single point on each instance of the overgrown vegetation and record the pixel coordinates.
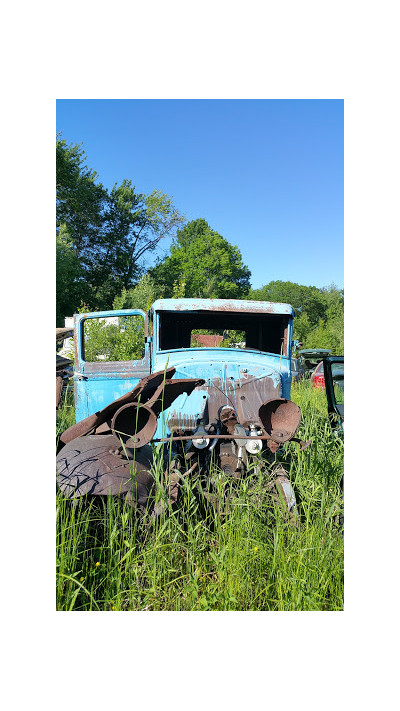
(247, 558)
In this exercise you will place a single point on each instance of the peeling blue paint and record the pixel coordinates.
(98, 384)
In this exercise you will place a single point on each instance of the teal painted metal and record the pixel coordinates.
(229, 305)
(98, 384)
(225, 365)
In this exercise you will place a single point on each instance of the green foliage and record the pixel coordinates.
(70, 284)
(247, 557)
(179, 288)
(111, 232)
(141, 296)
(80, 198)
(304, 299)
(205, 263)
(319, 312)
(231, 338)
(161, 214)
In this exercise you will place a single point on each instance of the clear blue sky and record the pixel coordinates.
(266, 174)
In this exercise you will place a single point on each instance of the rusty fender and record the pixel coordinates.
(156, 392)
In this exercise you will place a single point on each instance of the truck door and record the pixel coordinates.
(112, 353)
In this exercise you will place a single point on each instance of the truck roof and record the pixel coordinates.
(229, 305)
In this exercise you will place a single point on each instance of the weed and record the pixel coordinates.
(246, 556)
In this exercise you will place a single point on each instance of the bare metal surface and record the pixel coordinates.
(181, 421)
(135, 424)
(87, 467)
(145, 389)
(244, 395)
(229, 461)
(280, 418)
(121, 369)
(229, 418)
(286, 493)
(175, 438)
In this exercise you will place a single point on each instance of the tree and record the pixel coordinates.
(141, 296)
(206, 263)
(134, 224)
(304, 299)
(79, 198)
(70, 283)
(319, 312)
(111, 232)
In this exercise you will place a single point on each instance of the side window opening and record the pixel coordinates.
(115, 338)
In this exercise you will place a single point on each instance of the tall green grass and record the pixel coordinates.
(247, 556)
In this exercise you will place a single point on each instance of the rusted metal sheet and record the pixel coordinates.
(135, 424)
(207, 341)
(145, 388)
(169, 391)
(232, 305)
(156, 391)
(245, 396)
(285, 349)
(90, 466)
(280, 418)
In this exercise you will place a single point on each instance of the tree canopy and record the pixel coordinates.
(70, 283)
(319, 312)
(205, 263)
(109, 232)
(104, 237)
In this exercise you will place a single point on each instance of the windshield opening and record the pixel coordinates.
(264, 332)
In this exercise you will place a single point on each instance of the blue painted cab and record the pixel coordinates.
(173, 336)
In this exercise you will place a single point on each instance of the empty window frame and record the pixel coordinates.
(264, 332)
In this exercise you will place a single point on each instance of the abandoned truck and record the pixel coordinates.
(213, 385)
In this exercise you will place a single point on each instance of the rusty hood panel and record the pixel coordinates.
(243, 388)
